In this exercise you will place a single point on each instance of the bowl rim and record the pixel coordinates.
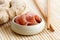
(25, 25)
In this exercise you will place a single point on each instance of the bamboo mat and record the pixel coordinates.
(7, 34)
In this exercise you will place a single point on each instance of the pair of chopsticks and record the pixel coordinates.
(49, 26)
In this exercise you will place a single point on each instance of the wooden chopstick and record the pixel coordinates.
(48, 11)
(49, 26)
(41, 10)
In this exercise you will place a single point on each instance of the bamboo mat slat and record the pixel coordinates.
(7, 34)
